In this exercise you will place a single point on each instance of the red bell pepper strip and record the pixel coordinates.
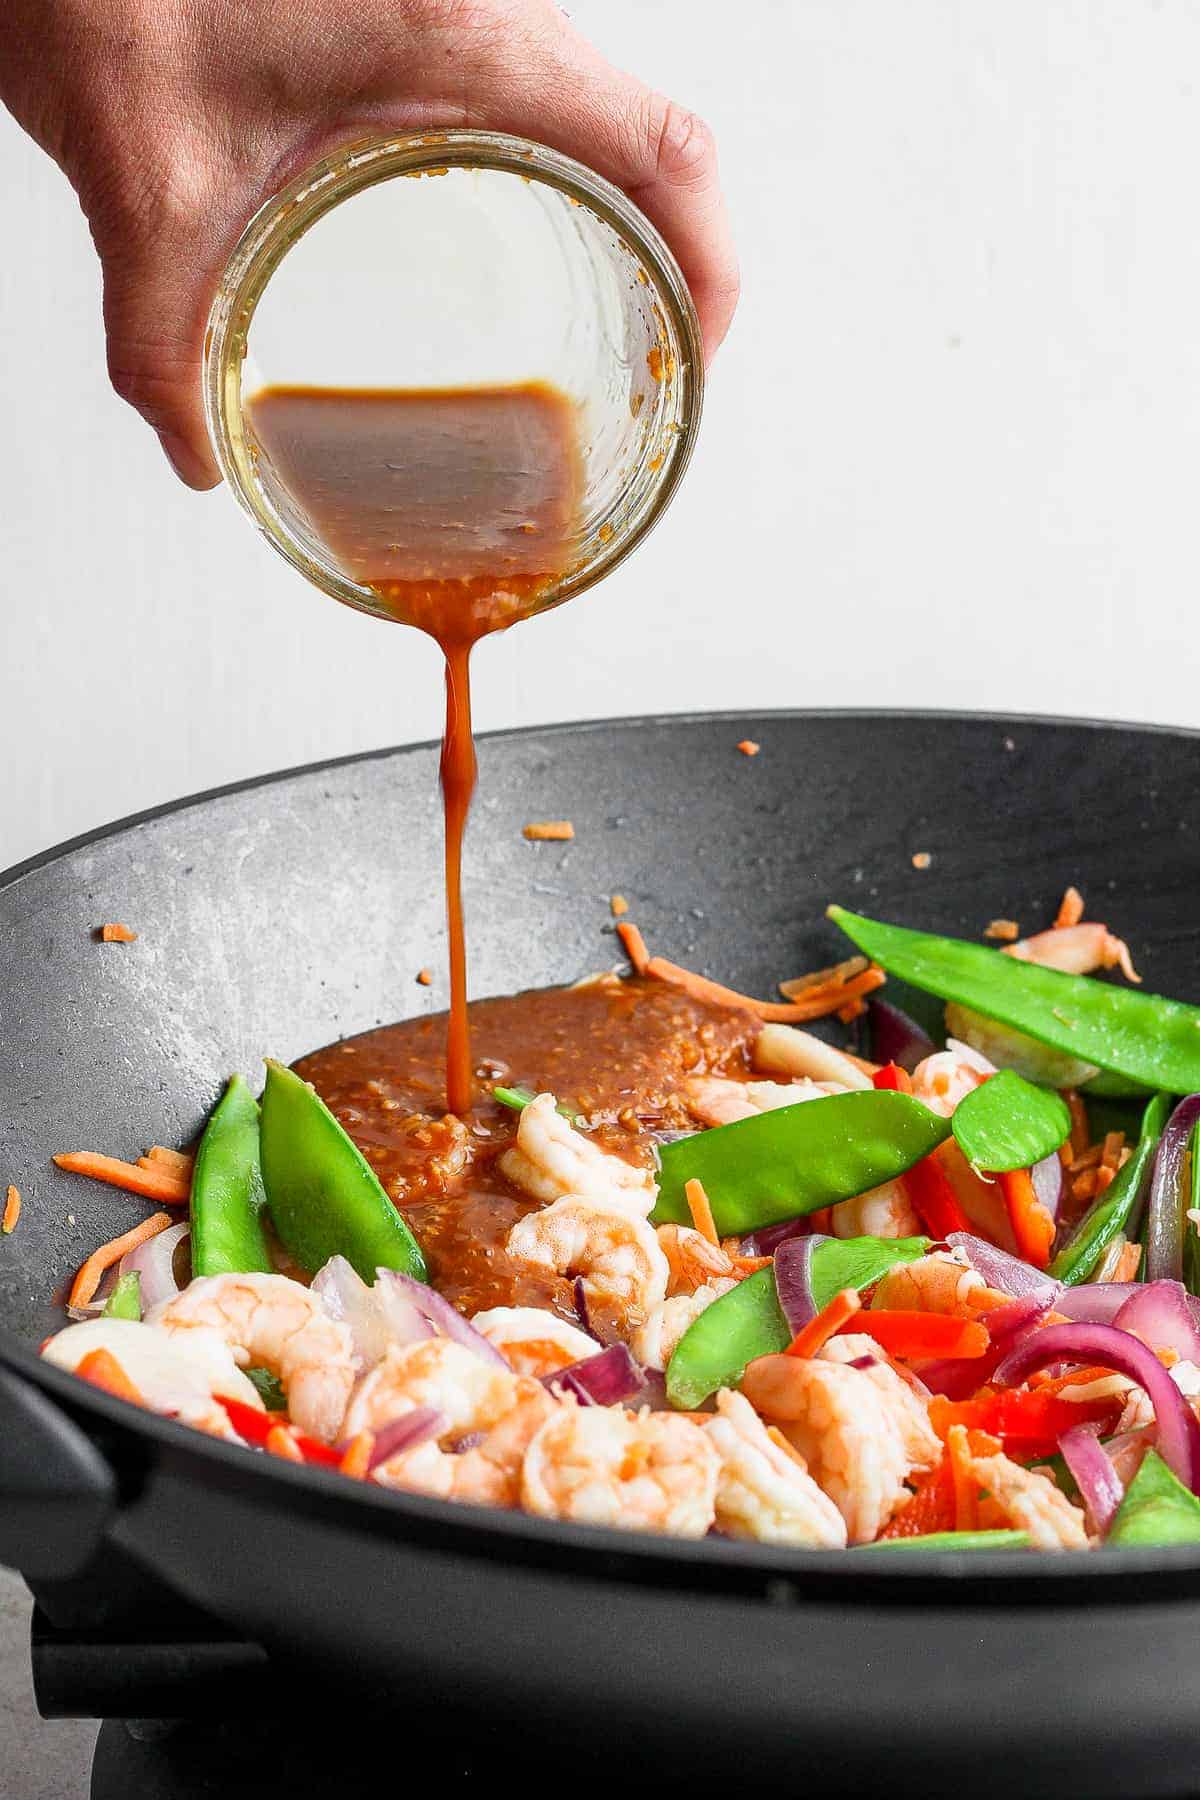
(255, 1428)
(933, 1199)
(930, 1509)
(1029, 1423)
(922, 1335)
(1032, 1226)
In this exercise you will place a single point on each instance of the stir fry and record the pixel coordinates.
(944, 1297)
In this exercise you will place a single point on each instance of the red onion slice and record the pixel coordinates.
(601, 1380)
(1100, 1301)
(405, 1433)
(1165, 1220)
(1093, 1473)
(895, 1038)
(793, 1280)
(153, 1263)
(767, 1239)
(1178, 1432)
(1049, 1179)
(579, 1293)
(444, 1319)
(1159, 1314)
(375, 1317)
(1008, 1274)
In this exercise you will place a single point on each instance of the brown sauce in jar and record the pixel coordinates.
(618, 1053)
(458, 509)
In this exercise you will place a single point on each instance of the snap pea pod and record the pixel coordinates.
(1116, 1206)
(1007, 1123)
(125, 1301)
(956, 1540)
(1144, 1037)
(782, 1164)
(227, 1190)
(1157, 1508)
(748, 1321)
(325, 1198)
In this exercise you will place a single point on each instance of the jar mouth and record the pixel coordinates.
(667, 425)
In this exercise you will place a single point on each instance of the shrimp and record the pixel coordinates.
(922, 1446)
(471, 1396)
(601, 1465)
(550, 1159)
(884, 1212)
(617, 1254)
(785, 1050)
(764, 1491)
(715, 1100)
(534, 1341)
(1032, 1503)
(691, 1258)
(945, 1078)
(655, 1341)
(941, 1283)
(1138, 1410)
(272, 1322)
(176, 1377)
(846, 1430)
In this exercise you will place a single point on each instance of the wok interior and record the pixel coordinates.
(281, 915)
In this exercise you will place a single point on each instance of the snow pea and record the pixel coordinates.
(1157, 1508)
(748, 1321)
(1007, 1123)
(779, 1165)
(1116, 1207)
(1144, 1037)
(956, 1540)
(125, 1301)
(324, 1197)
(227, 1190)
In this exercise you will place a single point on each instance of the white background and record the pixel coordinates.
(950, 454)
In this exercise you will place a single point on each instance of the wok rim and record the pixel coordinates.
(778, 1573)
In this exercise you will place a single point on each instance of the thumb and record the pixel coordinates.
(155, 307)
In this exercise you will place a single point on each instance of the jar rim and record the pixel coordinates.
(288, 214)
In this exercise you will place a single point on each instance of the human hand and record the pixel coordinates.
(174, 119)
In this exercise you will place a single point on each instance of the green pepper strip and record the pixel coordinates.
(227, 1190)
(780, 1165)
(1008, 1123)
(956, 1540)
(748, 1321)
(325, 1198)
(1157, 1508)
(125, 1301)
(1142, 1036)
(518, 1099)
(1115, 1208)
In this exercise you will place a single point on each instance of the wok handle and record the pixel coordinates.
(57, 1493)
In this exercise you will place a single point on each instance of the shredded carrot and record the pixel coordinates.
(1005, 931)
(966, 1497)
(1080, 1133)
(828, 1322)
(748, 747)
(152, 1184)
(280, 1442)
(117, 934)
(1032, 1226)
(921, 1334)
(634, 946)
(1045, 1383)
(817, 1004)
(701, 1211)
(853, 1009)
(1114, 1143)
(750, 1265)
(1128, 1263)
(83, 1288)
(425, 977)
(1070, 909)
(172, 1162)
(618, 906)
(821, 978)
(930, 1509)
(548, 831)
(921, 859)
(356, 1458)
(12, 1211)
(102, 1369)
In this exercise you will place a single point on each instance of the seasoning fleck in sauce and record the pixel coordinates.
(458, 509)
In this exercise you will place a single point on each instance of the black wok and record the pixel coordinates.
(278, 915)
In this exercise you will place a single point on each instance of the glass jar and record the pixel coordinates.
(460, 259)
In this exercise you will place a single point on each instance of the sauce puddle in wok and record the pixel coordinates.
(458, 508)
